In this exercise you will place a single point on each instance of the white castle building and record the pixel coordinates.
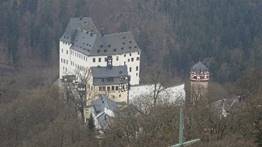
(82, 46)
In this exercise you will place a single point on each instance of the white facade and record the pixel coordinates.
(72, 61)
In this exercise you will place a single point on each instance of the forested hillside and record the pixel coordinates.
(226, 35)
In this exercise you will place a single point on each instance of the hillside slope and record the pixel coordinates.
(226, 35)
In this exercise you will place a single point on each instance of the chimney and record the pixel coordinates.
(102, 32)
(109, 62)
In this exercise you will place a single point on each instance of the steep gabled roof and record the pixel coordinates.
(116, 43)
(109, 76)
(106, 72)
(103, 102)
(80, 24)
(85, 38)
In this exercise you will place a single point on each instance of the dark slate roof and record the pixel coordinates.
(75, 25)
(109, 76)
(106, 72)
(116, 43)
(103, 102)
(85, 38)
(199, 67)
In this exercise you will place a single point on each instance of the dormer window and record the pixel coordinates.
(130, 47)
(105, 51)
(122, 48)
(109, 45)
(130, 41)
(115, 50)
(123, 43)
(101, 46)
(98, 51)
(124, 37)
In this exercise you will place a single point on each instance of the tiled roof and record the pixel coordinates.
(103, 102)
(109, 76)
(85, 38)
(81, 24)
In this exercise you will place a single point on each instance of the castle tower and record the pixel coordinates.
(199, 77)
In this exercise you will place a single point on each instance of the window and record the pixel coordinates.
(98, 51)
(137, 68)
(99, 59)
(105, 51)
(116, 58)
(108, 88)
(66, 51)
(110, 79)
(137, 74)
(137, 58)
(94, 59)
(130, 54)
(119, 95)
(105, 59)
(109, 45)
(100, 88)
(124, 63)
(115, 50)
(113, 88)
(104, 88)
(132, 59)
(124, 55)
(116, 87)
(130, 69)
(130, 41)
(128, 60)
(62, 50)
(123, 43)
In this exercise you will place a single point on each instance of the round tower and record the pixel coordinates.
(199, 77)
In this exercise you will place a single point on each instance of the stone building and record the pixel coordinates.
(199, 78)
(82, 46)
(112, 81)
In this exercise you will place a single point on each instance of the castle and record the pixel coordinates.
(82, 46)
